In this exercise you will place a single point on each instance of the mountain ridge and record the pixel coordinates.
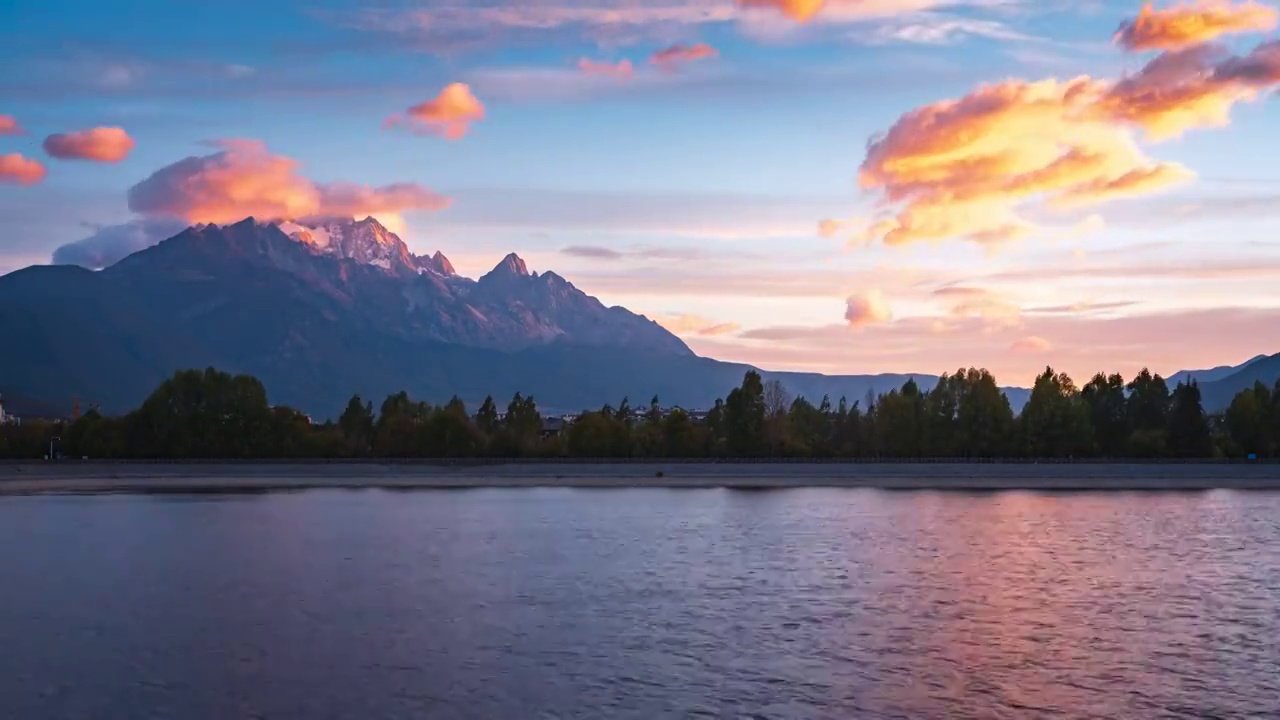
(317, 326)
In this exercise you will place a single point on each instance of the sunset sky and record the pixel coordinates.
(852, 186)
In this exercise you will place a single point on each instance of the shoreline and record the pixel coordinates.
(78, 477)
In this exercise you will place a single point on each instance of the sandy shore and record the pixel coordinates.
(77, 477)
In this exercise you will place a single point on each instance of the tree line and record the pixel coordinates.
(212, 415)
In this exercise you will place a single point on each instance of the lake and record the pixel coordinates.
(561, 603)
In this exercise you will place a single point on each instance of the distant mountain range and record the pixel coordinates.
(325, 308)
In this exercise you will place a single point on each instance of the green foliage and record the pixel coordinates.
(1189, 435)
(1055, 422)
(211, 414)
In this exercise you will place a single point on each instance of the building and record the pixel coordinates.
(6, 418)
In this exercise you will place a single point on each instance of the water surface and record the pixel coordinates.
(640, 604)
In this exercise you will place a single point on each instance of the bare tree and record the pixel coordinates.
(776, 398)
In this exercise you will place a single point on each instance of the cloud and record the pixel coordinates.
(244, 179)
(829, 228)
(688, 324)
(596, 252)
(928, 29)
(867, 308)
(108, 245)
(1031, 344)
(970, 302)
(100, 144)
(447, 26)
(621, 70)
(1193, 23)
(448, 115)
(962, 168)
(673, 57)
(9, 126)
(968, 168)
(16, 169)
(798, 10)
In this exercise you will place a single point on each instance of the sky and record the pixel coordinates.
(848, 186)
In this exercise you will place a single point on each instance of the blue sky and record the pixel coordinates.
(694, 194)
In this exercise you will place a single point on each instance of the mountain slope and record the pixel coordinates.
(1218, 394)
(1212, 374)
(316, 326)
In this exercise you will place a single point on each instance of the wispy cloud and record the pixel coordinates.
(1193, 23)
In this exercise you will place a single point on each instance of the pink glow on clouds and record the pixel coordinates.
(621, 70)
(867, 308)
(100, 144)
(448, 115)
(677, 55)
(9, 126)
(19, 170)
(244, 179)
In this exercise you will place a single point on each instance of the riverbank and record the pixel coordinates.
(89, 477)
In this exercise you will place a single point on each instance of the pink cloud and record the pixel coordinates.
(677, 55)
(1080, 345)
(1031, 344)
(9, 126)
(867, 308)
(798, 10)
(448, 115)
(621, 70)
(100, 144)
(1193, 23)
(695, 325)
(19, 170)
(244, 179)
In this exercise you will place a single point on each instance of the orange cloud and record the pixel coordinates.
(448, 115)
(676, 55)
(966, 168)
(100, 144)
(244, 179)
(962, 168)
(868, 308)
(688, 324)
(16, 169)
(9, 126)
(621, 70)
(798, 10)
(1188, 24)
(829, 228)
(1031, 344)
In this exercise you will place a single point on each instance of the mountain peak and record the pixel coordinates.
(511, 265)
(442, 264)
(365, 241)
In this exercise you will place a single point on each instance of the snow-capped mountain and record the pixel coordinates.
(365, 241)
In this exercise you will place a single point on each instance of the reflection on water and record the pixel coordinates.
(641, 603)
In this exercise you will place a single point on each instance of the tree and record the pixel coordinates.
(1148, 403)
(1055, 422)
(1108, 413)
(1249, 422)
(450, 432)
(356, 424)
(744, 413)
(522, 427)
(984, 418)
(1189, 435)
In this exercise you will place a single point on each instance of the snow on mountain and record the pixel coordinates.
(365, 241)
